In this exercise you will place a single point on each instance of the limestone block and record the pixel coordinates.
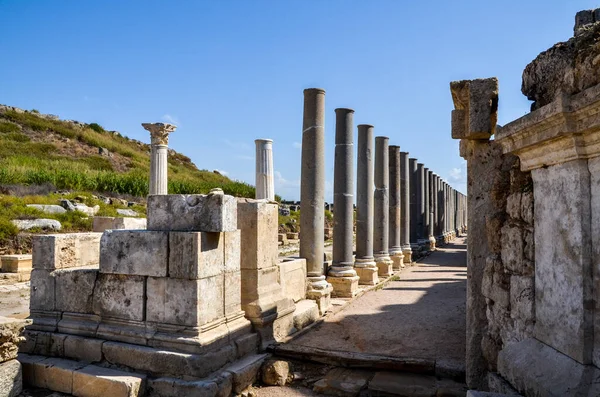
(119, 296)
(27, 367)
(11, 379)
(93, 381)
(527, 207)
(57, 251)
(512, 248)
(233, 250)
(103, 223)
(173, 387)
(193, 212)
(493, 287)
(43, 343)
(195, 255)
(135, 252)
(536, 369)
(185, 302)
(306, 313)
(293, 278)
(344, 287)
(42, 290)
(275, 372)
(74, 289)
(83, 349)
(55, 374)
(246, 345)
(259, 284)
(10, 337)
(343, 382)
(476, 108)
(245, 372)
(16, 263)
(513, 205)
(233, 292)
(522, 298)
(258, 222)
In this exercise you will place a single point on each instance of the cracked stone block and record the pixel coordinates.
(58, 251)
(135, 252)
(196, 255)
(55, 374)
(42, 286)
(192, 213)
(258, 222)
(119, 296)
(74, 290)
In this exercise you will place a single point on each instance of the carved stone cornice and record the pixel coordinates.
(564, 130)
(159, 132)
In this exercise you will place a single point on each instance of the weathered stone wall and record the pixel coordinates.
(508, 278)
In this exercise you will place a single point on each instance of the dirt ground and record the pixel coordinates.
(14, 300)
(422, 315)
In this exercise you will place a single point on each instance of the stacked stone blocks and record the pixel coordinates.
(169, 298)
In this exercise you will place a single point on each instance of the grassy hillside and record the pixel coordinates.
(40, 154)
(35, 150)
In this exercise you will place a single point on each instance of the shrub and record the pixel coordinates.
(96, 127)
(6, 127)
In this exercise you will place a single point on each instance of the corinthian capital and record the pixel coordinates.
(159, 132)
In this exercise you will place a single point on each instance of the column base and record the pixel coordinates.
(407, 252)
(398, 260)
(385, 266)
(319, 290)
(432, 242)
(344, 287)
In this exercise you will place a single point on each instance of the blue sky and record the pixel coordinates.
(228, 72)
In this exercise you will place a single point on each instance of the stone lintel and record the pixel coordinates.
(564, 130)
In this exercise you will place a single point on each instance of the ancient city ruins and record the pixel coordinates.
(196, 300)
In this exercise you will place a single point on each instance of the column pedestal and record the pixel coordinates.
(367, 271)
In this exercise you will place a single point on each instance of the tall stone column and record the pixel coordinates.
(312, 196)
(405, 207)
(426, 207)
(364, 264)
(414, 210)
(381, 208)
(421, 238)
(265, 183)
(395, 243)
(446, 214)
(342, 276)
(438, 211)
(431, 214)
(159, 141)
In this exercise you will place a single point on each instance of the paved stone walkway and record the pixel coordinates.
(421, 316)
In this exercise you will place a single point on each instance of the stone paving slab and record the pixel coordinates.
(420, 315)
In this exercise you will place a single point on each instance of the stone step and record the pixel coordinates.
(80, 379)
(306, 313)
(386, 384)
(84, 380)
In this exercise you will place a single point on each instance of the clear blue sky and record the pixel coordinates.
(228, 72)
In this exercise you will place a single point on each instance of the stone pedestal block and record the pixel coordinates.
(185, 302)
(398, 261)
(385, 266)
(134, 252)
(214, 212)
(196, 255)
(292, 272)
(16, 263)
(367, 272)
(57, 251)
(119, 296)
(344, 287)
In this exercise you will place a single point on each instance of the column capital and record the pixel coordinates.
(159, 132)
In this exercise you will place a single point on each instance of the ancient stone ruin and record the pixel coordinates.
(533, 224)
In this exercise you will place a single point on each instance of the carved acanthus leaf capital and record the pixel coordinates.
(159, 132)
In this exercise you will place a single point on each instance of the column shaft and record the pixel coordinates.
(414, 211)
(395, 243)
(405, 207)
(420, 204)
(431, 215)
(381, 207)
(265, 183)
(426, 205)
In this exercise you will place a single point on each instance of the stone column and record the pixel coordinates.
(431, 214)
(342, 276)
(364, 264)
(159, 141)
(414, 210)
(446, 214)
(312, 196)
(405, 207)
(265, 183)
(426, 207)
(381, 210)
(395, 243)
(421, 238)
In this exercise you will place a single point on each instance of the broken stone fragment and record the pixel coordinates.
(476, 108)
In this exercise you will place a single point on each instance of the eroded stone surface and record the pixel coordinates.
(195, 255)
(119, 296)
(134, 252)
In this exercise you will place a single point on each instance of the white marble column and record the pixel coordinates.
(159, 141)
(265, 182)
